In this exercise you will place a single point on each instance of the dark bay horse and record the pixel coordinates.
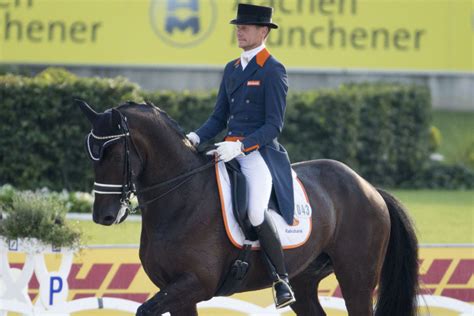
(361, 234)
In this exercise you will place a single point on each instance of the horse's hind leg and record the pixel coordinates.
(357, 272)
(357, 289)
(305, 286)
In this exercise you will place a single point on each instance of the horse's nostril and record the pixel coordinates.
(109, 219)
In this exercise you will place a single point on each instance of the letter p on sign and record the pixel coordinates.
(55, 286)
(54, 290)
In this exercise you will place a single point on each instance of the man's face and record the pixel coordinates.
(250, 36)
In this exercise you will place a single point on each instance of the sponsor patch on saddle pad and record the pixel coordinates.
(291, 236)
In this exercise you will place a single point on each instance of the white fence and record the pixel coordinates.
(53, 290)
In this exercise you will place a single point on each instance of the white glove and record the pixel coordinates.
(193, 138)
(227, 151)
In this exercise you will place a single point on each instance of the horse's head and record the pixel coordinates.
(111, 149)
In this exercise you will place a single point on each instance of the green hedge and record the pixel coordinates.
(380, 130)
(436, 175)
(42, 131)
(394, 141)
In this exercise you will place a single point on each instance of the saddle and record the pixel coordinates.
(239, 189)
(240, 201)
(233, 190)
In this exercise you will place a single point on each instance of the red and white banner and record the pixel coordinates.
(116, 273)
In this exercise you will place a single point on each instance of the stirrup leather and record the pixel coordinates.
(290, 301)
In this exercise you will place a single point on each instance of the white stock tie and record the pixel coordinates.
(245, 62)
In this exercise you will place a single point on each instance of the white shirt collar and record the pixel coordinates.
(247, 55)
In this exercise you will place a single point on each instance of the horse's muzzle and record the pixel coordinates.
(105, 217)
(106, 220)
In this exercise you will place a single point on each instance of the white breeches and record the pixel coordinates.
(259, 180)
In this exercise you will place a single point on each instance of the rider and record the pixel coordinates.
(251, 104)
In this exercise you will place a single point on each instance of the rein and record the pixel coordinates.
(128, 187)
(186, 176)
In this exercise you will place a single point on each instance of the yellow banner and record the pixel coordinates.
(116, 272)
(369, 34)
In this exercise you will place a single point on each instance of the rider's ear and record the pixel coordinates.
(87, 110)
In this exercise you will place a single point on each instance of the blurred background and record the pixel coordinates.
(386, 86)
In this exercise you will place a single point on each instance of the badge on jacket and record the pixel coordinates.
(253, 83)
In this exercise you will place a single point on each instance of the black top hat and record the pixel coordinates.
(248, 14)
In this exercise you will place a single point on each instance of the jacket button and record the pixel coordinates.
(230, 133)
(247, 101)
(231, 117)
(232, 100)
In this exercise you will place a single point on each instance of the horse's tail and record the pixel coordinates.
(398, 285)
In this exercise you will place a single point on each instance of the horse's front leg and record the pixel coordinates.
(177, 296)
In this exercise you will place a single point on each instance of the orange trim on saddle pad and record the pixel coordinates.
(227, 225)
(221, 197)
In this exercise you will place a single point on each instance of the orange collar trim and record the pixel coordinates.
(262, 57)
(237, 62)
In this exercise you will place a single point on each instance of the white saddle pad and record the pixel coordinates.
(291, 236)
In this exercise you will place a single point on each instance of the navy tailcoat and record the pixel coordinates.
(251, 105)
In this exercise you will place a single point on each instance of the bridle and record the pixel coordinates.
(127, 189)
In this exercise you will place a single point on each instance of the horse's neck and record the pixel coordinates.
(174, 209)
(167, 155)
(167, 158)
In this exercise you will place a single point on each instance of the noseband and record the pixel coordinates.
(128, 188)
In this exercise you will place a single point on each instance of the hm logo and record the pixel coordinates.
(174, 21)
(183, 23)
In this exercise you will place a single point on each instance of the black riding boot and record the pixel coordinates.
(271, 246)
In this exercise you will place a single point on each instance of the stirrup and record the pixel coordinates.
(289, 301)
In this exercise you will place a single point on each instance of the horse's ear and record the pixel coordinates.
(87, 110)
(116, 119)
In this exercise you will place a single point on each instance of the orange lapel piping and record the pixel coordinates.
(262, 57)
